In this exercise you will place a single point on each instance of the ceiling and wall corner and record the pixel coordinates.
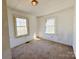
(64, 26)
(32, 27)
(44, 6)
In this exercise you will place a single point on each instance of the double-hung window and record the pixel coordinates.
(50, 26)
(21, 26)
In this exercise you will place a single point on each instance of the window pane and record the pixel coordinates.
(21, 26)
(20, 22)
(50, 26)
(21, 31)
(50, 22)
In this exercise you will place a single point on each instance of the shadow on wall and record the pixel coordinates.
(70, 38)
(51, 36)
(65, 38)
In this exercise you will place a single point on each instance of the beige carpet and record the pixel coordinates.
(43, 49)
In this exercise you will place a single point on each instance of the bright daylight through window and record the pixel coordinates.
(50, 26)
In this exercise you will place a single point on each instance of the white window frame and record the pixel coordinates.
(51, 25)
(25, 31)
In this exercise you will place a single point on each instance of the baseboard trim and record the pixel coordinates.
(54, 41)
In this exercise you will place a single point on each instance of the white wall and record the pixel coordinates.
(74, 31)
(6, 52)
(64, 26)
(74, 44)
(32, 27)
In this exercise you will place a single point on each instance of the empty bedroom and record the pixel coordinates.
(40, 29)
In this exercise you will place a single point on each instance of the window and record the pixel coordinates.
(50, 26)
(21, 26)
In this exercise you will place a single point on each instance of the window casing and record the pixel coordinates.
(50, 26)
(20, 26)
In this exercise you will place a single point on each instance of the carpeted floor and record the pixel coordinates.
(43, 49)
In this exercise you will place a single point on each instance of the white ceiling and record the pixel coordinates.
(44, 6)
